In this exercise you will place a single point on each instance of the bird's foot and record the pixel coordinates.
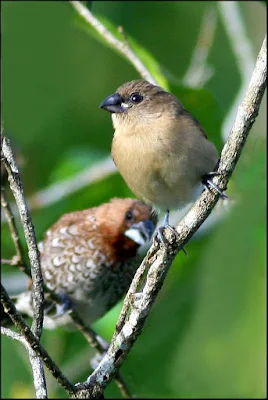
(207, 182)
(159, 232)
(94, 361)
(64, 307)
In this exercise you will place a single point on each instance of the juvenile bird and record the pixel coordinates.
(92, 256)
(160, 149)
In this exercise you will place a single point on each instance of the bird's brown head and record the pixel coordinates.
(140, 101)
(127, 224)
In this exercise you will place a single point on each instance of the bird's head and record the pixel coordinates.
(139, 102)
(127, 224)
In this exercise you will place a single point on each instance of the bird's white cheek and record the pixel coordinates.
(115, 121)
(125, 106)
(136, 236)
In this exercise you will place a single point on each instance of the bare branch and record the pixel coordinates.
(36, 274)
(38, 294)
(242, 48)
(12, 227)
(122, 47)
(38, 374)
(199, 71)
(59, 190)
(160, 258)
(33, 346)
(39, 381)
(33, 342)
(13, 335)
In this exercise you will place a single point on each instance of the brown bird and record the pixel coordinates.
(92, 255)
(160, 149)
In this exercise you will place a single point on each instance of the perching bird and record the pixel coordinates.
(160, 149)
(92, 256)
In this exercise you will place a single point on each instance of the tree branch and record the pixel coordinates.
(33, 342)
(137, 305)
(19, 258)
(39, 381)
(36, 274)
(122, 47)
(13, 335)
(16, 186)
(59, 190)
(234, 25)
(199, 71)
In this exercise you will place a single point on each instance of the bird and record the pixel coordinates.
(89, 257)
(159, 148)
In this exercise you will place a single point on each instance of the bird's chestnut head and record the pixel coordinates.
(127, 224)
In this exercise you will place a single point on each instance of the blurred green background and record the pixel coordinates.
(206, 335)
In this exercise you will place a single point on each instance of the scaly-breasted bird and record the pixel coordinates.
(92, 256)
(160, 149)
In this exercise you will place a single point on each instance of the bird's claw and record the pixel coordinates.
(65, 307)
(94, 361)
(159, 232)
(209, 184)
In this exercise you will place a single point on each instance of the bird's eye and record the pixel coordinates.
(136, 98)
(130, 217)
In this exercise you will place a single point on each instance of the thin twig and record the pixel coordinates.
(32, 341)
(14, 261)
(12, 227)
(242, 48)
(16, 186)
(64, 188)
(34, 256)
(27, 338)
(199, 71)
(7, 262)
(14, 335)
(58, 191)
(40, 383)
(120, 46)
(133, 289)
(38, 374)
(159, 257)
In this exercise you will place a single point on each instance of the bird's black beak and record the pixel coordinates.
(113, 104)
(141, 232)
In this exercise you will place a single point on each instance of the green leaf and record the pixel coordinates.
(146, 57)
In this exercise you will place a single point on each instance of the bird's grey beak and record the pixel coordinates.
(113, 104)
(141, 232)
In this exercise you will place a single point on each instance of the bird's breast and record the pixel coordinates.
(161, 168)
(136, 161)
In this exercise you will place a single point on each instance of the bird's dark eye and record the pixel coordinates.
(136, 98)
(130, 217)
